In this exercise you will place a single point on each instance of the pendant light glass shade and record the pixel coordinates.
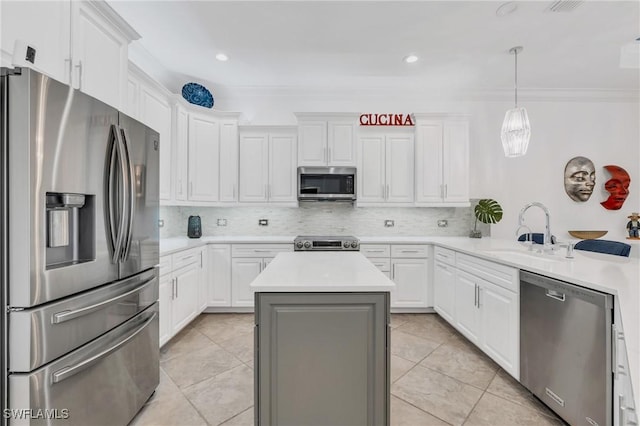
(516, 130)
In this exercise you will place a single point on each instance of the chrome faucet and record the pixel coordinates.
(546, 240)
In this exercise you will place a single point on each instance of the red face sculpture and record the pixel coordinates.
(617, 186)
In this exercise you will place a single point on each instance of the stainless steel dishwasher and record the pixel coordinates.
(565, 348)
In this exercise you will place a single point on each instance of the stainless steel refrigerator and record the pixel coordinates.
(79, 235)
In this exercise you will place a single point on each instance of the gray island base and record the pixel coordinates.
(322, 341)
(322, 359)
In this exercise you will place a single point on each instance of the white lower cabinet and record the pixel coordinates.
(411, 278)
(182, 288)
(486, 306)
(407, 265)
(219, 278)
(444, 281)
(247, 262)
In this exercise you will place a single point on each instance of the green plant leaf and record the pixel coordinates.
(488, 211)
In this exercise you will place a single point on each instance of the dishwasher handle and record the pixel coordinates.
(555, 295)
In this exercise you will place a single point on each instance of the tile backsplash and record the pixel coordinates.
(322, 219)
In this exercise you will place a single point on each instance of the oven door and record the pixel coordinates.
(104, 382)
(326, 183)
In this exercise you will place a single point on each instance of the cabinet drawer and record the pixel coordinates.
(375, 250)
(409, 250)
(444, 255)
(504, 276)
(259, 250)
(384, 264)
(165, 265)
(186, 258)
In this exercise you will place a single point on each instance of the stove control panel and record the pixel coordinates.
(309, 243)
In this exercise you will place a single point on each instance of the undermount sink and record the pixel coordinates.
(525, 256)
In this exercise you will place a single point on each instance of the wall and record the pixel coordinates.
(320, 219)
(601, 126)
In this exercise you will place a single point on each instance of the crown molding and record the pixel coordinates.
(114, 18)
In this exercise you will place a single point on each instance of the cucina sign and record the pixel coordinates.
(386, 120)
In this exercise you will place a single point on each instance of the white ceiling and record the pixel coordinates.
(462, 45)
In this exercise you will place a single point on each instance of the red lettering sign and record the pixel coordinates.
(386, 120)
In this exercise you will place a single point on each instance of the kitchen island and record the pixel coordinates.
(322, 340)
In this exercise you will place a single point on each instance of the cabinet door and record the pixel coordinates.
(43, 25)
(429, 162)
(185, 302)
(282, 168)
(254, 167)
(341, 143)
(219, 275)
(467, 313)
(181, 150)
(444, 290)
(371, 173)
(155, 112)
(203, 281)
(312, 143)
(165, 288)
(501, 326)
(229, 161)
(100, 55)
(412, 278)
(456, 161)
(399, 169)
(204, 152)
(243, 272)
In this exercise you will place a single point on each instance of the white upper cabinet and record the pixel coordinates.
(204, 157)
(228, 175)
(44, 25)
(82, 43)
(268, 165)
(385, 169)
(180, 157)
(326, 141)
(442, 160)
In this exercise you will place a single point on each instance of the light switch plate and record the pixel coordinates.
(221, 222)
(160, 223)
(263, 222)
(389, 223)
(442, 223)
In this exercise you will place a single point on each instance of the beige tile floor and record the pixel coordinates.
(437, 376)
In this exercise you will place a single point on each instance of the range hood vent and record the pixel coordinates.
(565, 5)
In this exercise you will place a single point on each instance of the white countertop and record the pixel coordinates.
(321, 272)
(172, 245)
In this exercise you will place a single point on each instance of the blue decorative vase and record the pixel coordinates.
(197, 94)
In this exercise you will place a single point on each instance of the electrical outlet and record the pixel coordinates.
(442, 223)
(263, 222)
(160, 223)
(389, 223)
(221, 222)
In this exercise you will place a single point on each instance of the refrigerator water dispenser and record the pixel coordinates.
(70, 229)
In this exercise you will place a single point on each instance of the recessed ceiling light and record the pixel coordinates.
(506, 8)
(410, 59)
(221, 57)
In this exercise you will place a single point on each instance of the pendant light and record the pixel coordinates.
(516, 129)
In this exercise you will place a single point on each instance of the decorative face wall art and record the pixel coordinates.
(617, 186)
(579, 178)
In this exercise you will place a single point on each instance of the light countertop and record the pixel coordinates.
(321, 272)
(172, 245)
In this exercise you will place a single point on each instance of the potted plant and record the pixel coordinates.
(486, 211)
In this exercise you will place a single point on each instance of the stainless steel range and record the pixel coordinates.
(315, 243)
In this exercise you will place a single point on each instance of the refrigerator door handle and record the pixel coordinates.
(130, 185)
(116, 235)
(69, 371)
(69, 315)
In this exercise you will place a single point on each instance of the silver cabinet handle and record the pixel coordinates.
(66, 372)
(388, 191)
(409, 251)
(79, 67)
(374, 251)
(177, 288)
(64, 316)
(475, 295)
(173, 288)
(446, 191)
(479, 298)
(393, 272)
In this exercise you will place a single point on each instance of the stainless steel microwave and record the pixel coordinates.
(326, 183)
